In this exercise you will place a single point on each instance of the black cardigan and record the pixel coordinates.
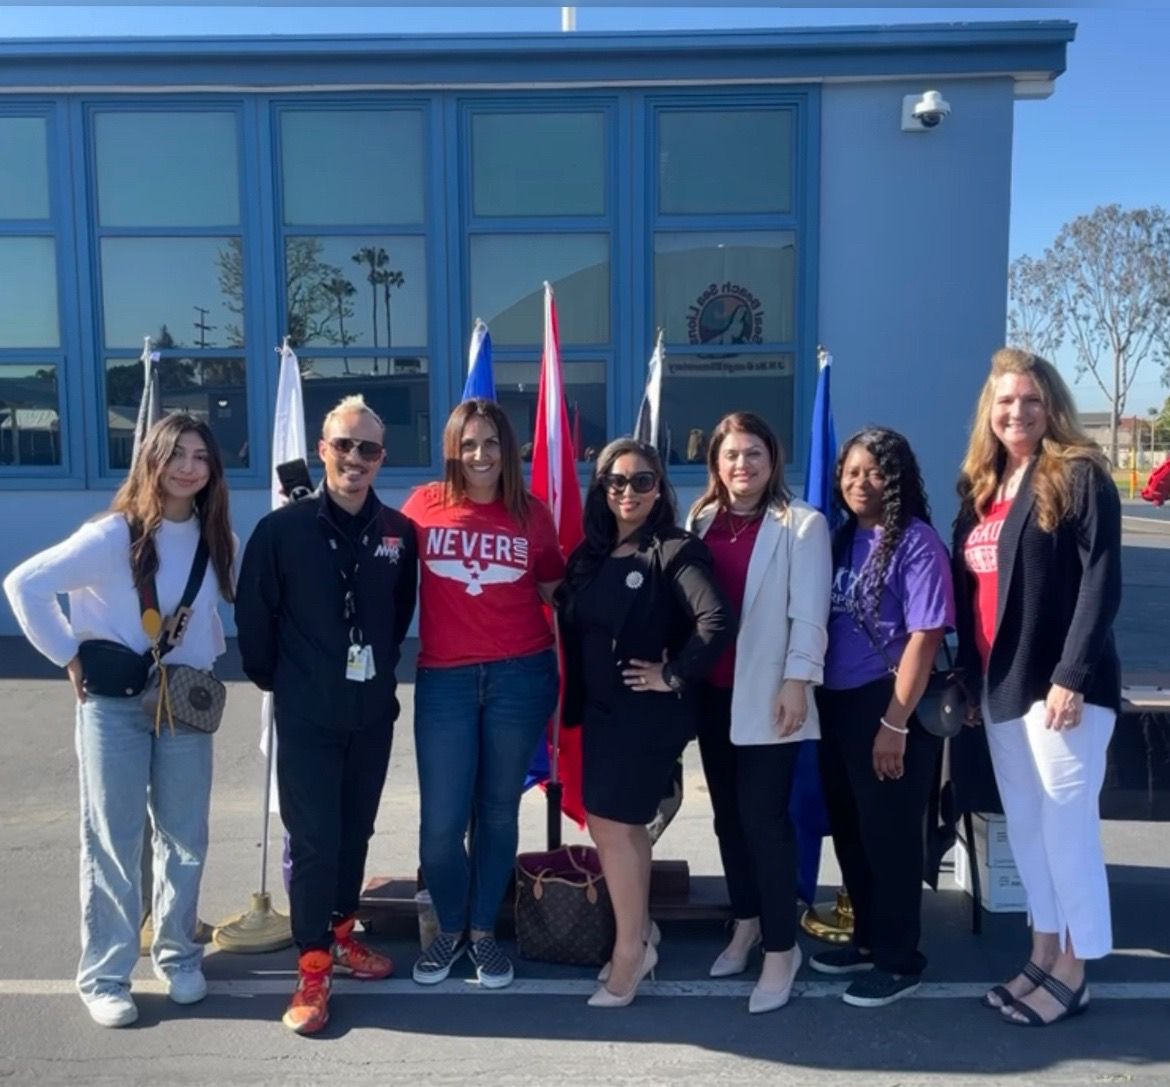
(1058, 595)
(678, 607)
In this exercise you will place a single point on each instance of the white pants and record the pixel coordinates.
(1050, 785)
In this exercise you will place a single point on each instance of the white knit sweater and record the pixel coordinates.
(92, 567)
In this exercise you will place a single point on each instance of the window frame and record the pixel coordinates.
(249, 229)
(60, 227)
(431, 229)
(802, 221)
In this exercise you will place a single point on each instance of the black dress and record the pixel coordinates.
(628, 751)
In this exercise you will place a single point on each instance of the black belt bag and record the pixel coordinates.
(111, 670)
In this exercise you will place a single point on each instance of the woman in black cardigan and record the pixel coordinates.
(642, 621)
(1038, 583)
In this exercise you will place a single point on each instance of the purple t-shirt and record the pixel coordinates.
(917, 595)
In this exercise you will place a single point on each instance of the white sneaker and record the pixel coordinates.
(111, 1007)
(184, 986)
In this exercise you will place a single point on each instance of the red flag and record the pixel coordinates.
(554, 480)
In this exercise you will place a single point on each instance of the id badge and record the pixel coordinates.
(355, 663)
(371, 671)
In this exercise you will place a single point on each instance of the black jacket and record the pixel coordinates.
(1059, 593)
(678, 607)
(290, 611)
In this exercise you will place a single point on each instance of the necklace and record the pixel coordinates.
(745, 520)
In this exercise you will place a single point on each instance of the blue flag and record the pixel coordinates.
(807, 806)
(480, 382)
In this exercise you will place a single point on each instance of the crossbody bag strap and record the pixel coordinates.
(165, 635)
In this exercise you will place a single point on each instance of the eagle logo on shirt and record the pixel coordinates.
(475, 575)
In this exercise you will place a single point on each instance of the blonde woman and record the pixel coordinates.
(772, 559)
(1038, 584)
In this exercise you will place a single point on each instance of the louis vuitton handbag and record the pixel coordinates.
(563, 912)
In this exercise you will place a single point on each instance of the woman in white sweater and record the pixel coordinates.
(772, 559)
(174, 496)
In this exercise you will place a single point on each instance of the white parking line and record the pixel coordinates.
(937, 990)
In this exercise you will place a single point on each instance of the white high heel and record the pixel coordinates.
(654, 939)
(727, 963)
(605, 998)
(768, 1000)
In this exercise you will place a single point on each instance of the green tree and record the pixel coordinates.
(1104, 284)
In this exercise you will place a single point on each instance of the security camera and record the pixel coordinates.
(920, 114)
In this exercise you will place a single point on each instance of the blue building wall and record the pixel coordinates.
(901, 237)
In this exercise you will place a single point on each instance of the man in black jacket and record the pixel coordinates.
(326, 594)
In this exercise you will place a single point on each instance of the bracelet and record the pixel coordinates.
(894, 728)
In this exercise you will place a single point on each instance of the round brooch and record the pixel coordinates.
(634, 579)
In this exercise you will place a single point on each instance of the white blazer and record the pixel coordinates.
(783, 624)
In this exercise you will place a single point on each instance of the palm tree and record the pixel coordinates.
(389, 279)
(341, 289)
(376, 258)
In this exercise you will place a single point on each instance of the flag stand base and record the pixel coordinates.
(831, 922)
(255, 931)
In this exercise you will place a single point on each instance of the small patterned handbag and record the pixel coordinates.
(195, 699)
(563, 911)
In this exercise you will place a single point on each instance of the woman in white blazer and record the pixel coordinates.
(773, 561)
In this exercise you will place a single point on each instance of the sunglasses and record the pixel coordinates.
(370, 451)
(642, 482)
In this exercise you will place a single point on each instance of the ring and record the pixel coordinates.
(641, 681)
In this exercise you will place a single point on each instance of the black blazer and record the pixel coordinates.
(678, 607)
(1059, 593)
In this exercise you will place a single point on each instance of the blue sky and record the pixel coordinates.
(1104, 137)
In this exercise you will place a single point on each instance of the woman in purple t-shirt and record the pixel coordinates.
(891, 604)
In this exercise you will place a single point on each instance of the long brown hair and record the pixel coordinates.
(742, 422)
(1064, 442)
(512, 490)
(140, 500)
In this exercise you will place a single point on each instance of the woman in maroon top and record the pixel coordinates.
(773, 562)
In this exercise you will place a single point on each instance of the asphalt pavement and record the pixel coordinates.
(685, 1029)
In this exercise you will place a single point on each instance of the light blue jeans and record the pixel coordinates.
(126, 771)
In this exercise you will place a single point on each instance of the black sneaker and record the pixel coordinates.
(841, 960)
(492, 966)
(434, 964)
(879, 988)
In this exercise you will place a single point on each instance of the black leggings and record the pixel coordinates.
(750, 787)
(878, 827)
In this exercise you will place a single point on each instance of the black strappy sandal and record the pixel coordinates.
(1073, 1003)
(1031, 971)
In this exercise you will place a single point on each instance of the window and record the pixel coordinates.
(356, 302)
(516, 385)
(725, 247)
(31, 355)
(172, 267)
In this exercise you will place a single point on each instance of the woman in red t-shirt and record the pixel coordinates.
(487, 678)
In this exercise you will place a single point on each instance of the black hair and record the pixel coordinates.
(601, 529)
(903, 499)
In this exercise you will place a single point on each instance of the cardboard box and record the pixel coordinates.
(991, 841)
(1000, 889)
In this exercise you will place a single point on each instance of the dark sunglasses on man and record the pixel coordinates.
(370, 451)
(642, 482)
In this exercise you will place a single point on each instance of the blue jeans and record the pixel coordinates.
(125, 770)
(475, 730)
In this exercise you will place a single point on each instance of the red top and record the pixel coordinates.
(981, 556)
(479, 571)
(730, 540)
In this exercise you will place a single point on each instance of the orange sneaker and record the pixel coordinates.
(308, 1011)
(357, 960)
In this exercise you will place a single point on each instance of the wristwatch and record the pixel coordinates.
(673, 681)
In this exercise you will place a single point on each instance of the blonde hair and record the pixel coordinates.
(351, 405)
(1063, 444)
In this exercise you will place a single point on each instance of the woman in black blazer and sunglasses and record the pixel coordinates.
(642, 622)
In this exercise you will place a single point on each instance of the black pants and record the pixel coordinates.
(877, 826)
(330, 784)
(750, 789)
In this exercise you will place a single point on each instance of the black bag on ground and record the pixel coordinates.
(563, 912)
(111, 670)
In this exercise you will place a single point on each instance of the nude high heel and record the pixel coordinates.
(604, 998)
(768, 1000)
(654, 939)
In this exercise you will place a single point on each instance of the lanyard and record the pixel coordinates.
(348, 570)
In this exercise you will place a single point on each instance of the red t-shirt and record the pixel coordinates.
(479, 571)
(981, 557)
(732, 552)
